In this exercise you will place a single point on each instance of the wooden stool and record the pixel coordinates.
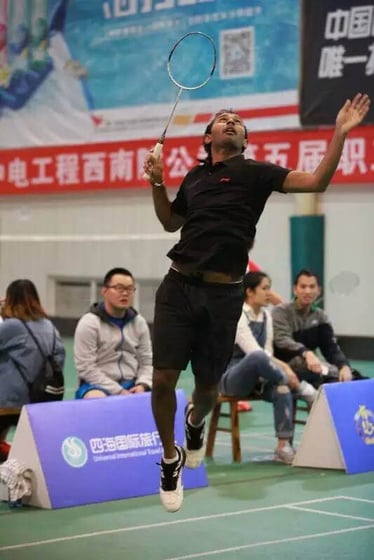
(299, 406)
(234, 428)
(10, 411)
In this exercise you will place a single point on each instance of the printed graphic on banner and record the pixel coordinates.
(79, 71)
(119, 165)
(337, 57)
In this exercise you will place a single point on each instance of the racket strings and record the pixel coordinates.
(192, 61)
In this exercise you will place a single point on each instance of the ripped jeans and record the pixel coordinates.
(240, 380)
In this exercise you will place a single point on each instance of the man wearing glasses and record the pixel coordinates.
(112, 343)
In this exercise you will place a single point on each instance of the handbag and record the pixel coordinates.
(49, 383)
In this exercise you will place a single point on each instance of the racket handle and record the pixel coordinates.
(156, 152)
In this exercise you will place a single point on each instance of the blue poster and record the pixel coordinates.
(124, 47)
(78, 71)
(352, 411)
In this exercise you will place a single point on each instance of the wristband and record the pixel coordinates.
(158, 184)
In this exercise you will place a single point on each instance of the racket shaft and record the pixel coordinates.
(156, 152)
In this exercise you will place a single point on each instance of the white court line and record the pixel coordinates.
(164, 524)
(267, 543)
(357, 499)
(332, 514)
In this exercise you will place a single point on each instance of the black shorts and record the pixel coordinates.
(195, 321)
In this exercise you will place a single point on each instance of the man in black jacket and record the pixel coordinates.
(300, 328)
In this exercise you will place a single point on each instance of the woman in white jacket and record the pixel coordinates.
(253, 367)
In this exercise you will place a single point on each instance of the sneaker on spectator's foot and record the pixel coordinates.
(195, 448)
(306, 393)
(284, 454)
(171, 487)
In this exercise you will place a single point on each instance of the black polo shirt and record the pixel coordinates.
(222, 204)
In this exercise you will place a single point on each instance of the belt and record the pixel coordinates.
(210, 276)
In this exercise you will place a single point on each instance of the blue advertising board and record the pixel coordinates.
(352, 411)
(98, 450)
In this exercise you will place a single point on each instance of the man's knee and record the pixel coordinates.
(206, 389)
(164, 379)
(95, 394)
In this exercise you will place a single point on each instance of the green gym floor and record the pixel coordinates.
(256, 509)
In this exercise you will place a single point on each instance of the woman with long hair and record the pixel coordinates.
(20, 357)
(253, 367)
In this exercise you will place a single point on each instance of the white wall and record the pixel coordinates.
(349, 260)
(349, 244)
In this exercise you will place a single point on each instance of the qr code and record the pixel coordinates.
(237, 47)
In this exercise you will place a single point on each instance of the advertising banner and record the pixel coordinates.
(352, 411)
(92, 71)
(337, 57)
(119, 165)
(339, 433)
(95, 450)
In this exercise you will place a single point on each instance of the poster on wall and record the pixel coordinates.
(337, 57)
(95, 71)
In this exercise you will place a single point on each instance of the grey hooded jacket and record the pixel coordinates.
(105, 354)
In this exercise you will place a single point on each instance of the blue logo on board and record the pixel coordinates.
(74, 452)
(364, 423)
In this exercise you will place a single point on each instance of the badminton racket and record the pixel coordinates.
(190, 66)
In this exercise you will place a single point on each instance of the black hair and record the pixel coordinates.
(306, 272)
(109, 275)
(253, 279)
(208, 130)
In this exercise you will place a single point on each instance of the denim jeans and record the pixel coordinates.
(240, 379)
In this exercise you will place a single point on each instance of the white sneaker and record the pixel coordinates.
(171, 487)
(194, 444)
(284, 454)
(306, 392)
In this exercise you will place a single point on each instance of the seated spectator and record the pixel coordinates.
(20, 358)
(274, 297)
(254, 369)
(301, 328)
(112, 343)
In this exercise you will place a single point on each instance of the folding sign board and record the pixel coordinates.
(339, 433)
(95, 450)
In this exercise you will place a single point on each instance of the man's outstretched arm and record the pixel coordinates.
(350, 115)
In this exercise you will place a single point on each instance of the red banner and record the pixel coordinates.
(119, 165)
